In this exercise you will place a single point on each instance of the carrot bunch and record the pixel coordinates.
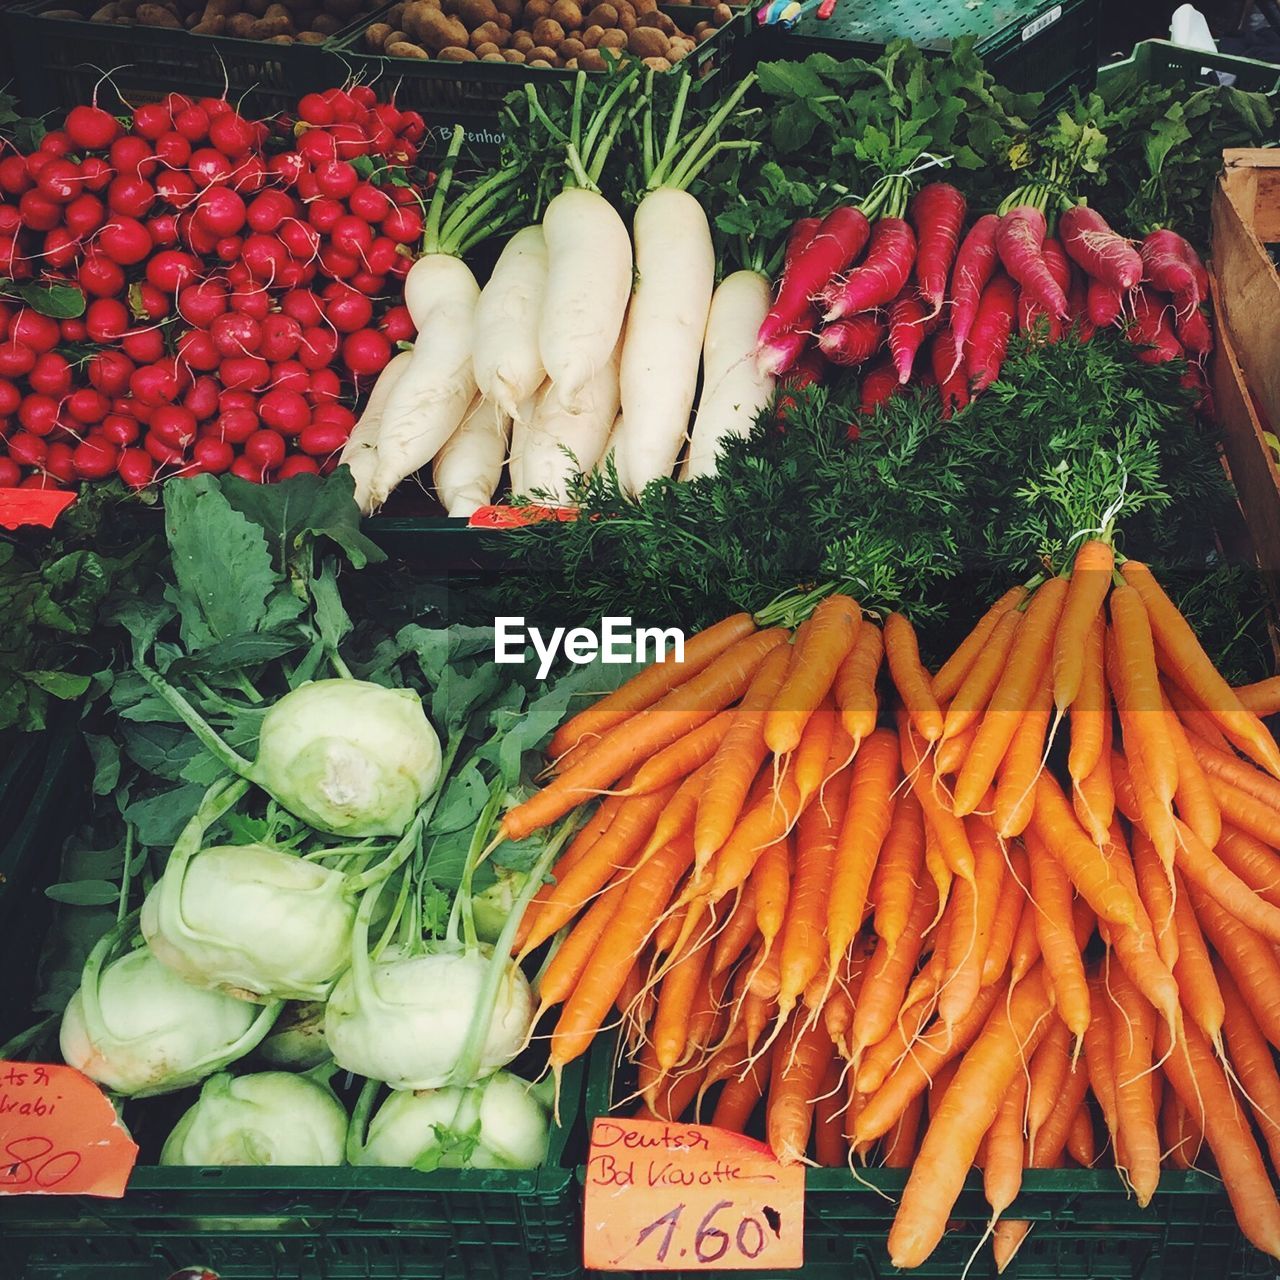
(1020, 911)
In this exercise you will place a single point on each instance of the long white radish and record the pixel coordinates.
(430, 399)
(611, 453)
(468, 468)
(560, 443)
(588, 285)
(507, 359)
(360, 453)
(521, 425)
(734, 391)
(675, 274)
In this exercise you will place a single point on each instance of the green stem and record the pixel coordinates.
(103, 952)
(230, 759)
(479, 839)
(444, 178)
(690, 165)
(358, 1128)
(126, 874)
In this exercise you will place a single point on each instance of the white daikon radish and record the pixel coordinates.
(734, 391)
(588, 284)
(508, 363)
(561, 443)
(520, 427)
(360, 453)
(611, 452)
(429, 401)
(675, 275)
(468, 468)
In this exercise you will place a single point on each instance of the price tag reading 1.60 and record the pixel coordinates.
(669, 1197)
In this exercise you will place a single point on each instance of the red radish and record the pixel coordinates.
(281, 337)
(50, 376)
(143, 346)
(209, 167)
(991, 329)
(130, 197)
(366, 353)
(301, 240)
(40, 333)
(323, 438)
(91, 128)
(265, 449)
(1166, 266)
(335, 414)
(124, 240)
(10, 398)
(220, 210)
(349, 311)
(953, 386)
(213, 455)
(120, 429)
(27, 450)
(339, 265)
(203, 302)
(177, 188)
(132, 157)
(368, 202)
(786, 349)
(172, 269)
(84, 215)
(156, 384)
(264, 256)
(39, 213)
(38, 414)
(173, 425)
(879, 384)
(151, 120)
(235, 426)
(879, 277)
(324, 213)
(267, 211)
(404, 225)
(95, 174)
(1031, 316)
(337, 179)
(244, 373)
(60, 463)
(196, 350)
(61, 248)
(907, 325)
(325, 385)
(852, 341)
(173, 150)
(254, 301)
(192, 123)
(163, 453)
(398, 325)
(109, 372)
(136, 468)
(834, 245)
(975, 263)
(1194, 332)
(1078, 305)
(14, 179)
(1150, 329)
(937, 211)
(284, 411)
(16, 360)
(298, 465)
(11, 473)
(87, 406)
(1020, 244)
(95, 458)
(1104, 305)
(1101, 253)
(236, 334)
(202, 398)
(41, 480)
(289, 375)
(59, 181)
(232, 134)
(1198, 272)
(319, 346)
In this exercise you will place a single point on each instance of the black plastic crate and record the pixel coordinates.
(1042, 46)
(59, 63)
(257, 1224)
(471, 93)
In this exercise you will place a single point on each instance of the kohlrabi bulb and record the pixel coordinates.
(296, 1042)
(252, 921)
(491, 907)
(272, 1118)
(500, 1123)
(349, 757)
(409, 1029)
(144, 1031)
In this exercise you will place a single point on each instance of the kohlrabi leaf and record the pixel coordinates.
(158, 820)
(105, 753)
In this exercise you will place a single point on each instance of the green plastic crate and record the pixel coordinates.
(471, 93)
(260, 1224)
(1045, 46)
(1086, 1226)
(1161, 63)
(59, 63)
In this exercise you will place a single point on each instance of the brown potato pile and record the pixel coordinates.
(539, 33)
(275, 21)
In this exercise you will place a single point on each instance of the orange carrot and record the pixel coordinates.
(855, 683)
(1138, 803)
(739, 929)
(1051, 894)
(756, 1014)
(1012, 697)
(970, 1106)
(1055, 825)
(1133, 1033)
(1002, 1167)
(812, 760)
(1223, 765)
(734, 766)
(1197, 721)
(1253, 1062)
(1206, 1093)
(1262, 698)
(947, 828)
(1194, 799)
(1025, 952)
(1177, 1134)
(686, 707)
(798, 1067)
(772, 880)
(970, 939)
(937, 868)
(566, 966)
(865, 822)
(765, 976)
(952, 673)
(895, 884)
(1090, 582)
(1099, 1054)
(974, 694)
(828, 1118)
(1248, 958)
(887, 976)
(648, 892)
(741, 1095)
(676, 998)
(913, 682)
(1254, 862)
(764, 823)
(1091, 709)
(1194, 971)
(1093, 797)
(901, 1143)
(1049, 1070)
(822, 643)
(882, 1058)
(651, 684)
(1155, 887)
(675, 763)
(1023, 764)
(1205, 869)
(1009, 911)
(952, 752)
(1247, 812)
(1046, 1151)
(1194, 669)
(802, 954)
(1136, 685)
(1081, 1144)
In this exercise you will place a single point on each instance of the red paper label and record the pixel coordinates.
(672, 1197)
(500, 517)
(59, 1134)
(20, 507)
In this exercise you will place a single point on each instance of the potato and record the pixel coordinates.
(657, 64)
(492, 57)
(395, 15)
(510, 8)
(270, 28)
(432, 29)
(571, 48)
(455, 54)
(591, 60)
(679, 49)
(485, 50)
(406, 49)
(512, 55)
(540, 53)
(312, 37)
(658, 21)
(548, 33)
(645, 42)
(488, 33)
(721, 14)
(568, 13)
(375, 36)
(504, 21)
(475, 13)
(603, 15)
(591, 36)
(241, 26)
(276, 39)
(154, 15)
(535, 11)
(522, 40)
(214, 26)
(108, 13)
(612, 39)
(627, 20)
(644, 6)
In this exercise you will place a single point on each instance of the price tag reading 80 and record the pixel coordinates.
(670, 1197)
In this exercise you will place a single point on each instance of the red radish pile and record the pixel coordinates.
(242, 283)
(925, 304)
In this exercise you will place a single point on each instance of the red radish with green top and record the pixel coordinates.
(937, 212)
(879, 277)
(953, 386)
(989, 340)
(1166, 266)
(976, 262)
(853, 341)
(1151, 329)
(1100, 252)
(1032, 317)
(1020, 243)
(908, 326)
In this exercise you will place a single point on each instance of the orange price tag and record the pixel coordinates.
(671, 1197)
(59, 1134)
(32, 506)
(503, 517)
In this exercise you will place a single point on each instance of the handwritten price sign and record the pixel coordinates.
(669, 1197)
(59, 1135)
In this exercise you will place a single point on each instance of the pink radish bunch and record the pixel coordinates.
(241, 283)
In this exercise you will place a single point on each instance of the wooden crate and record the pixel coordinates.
(1246, 361)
